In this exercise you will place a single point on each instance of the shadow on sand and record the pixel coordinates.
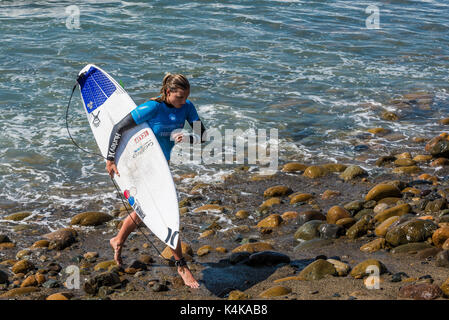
(222, 277)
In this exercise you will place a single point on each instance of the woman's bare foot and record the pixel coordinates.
(117, 250)
(187, 277)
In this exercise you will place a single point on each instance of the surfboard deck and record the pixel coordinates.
(145, 178)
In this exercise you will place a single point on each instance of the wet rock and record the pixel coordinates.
(242, 214)
(52, 283)
(90, 219)
(23, 253)
(381, 229)
(426, 253)
(18, 292)
(185, 247)
(364, 212)
(390, 116)
(4, 238)
(445, 288)
(439, 162)
(442, 259)
(380, 207)
(422, 158)
(384, 160)
(301, 197)
(440, 149)
(238, 295)
(209, 208)
(383, 190)
(354, 206)
(422, 291)
(398, 210)
(57, 296)
(269, 203)
(360, 228)
(159, 287)
(440, 236)
(18, 216)
(407, 170)
(206, 234)
(373, 246)
(314, 172)
(411, 248)
(204, 250)
(22, 266)
(289, 215)
(334, 167)
(363, 268)
(254, 247)
(312, 244)
(40, 244)
(61, 239)
(294, 167)
(138, 265)
(351, 172)
(436, 205)
(404, 162)
(306, 216)
(277, 191)
(308, 230)
(330, 231)
(272, 221)
(346, 222)
(29, 281)
(341, 268)
(269, 258)
(105, 265)
(275, 292)
(397, 277)
(410, 231)
(107, 279)
(336, 213)
(317, 270)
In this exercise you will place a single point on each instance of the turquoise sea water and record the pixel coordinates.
(311, 69)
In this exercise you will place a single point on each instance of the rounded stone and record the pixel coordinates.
(302, 197)
(336, 213)
(382, 228)
(242, 214)
(308, 230)
(310, 215)
(277, 191)
(360, 228)
(351, 172)
(363, 268)
(421, 291)
(383, 190)
(90, 219)
(275, 292)
(314, 172)
(272, 221)
(398, 210)
(440, 236)
(23, 266)
(410, 231)
(317, 270)
(294, 167)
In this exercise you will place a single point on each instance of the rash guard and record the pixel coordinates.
(162, 118)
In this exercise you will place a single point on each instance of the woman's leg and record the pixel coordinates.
(129, 225)
(184, 271)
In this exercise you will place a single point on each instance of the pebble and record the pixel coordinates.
(351, 172)
(422, 291)
(275, 292)
(341, 267)
(336, 213)
(238, 295)
(383, 190)
(310, 215)
(272, 221)
(253, 247)
(90, 218)
(22, 266)
(308, 230)
(360, 270)
(373, 246)
(440, 236)
(317, 270)
(360, 228)
(410, 231)
(411, 248)
(277, 191)
(398, 210)
(204, 250)
(442, 259)
(330, 231)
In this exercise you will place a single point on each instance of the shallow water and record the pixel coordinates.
(310, 69)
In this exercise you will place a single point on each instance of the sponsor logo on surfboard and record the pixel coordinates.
(96, 120)
(90, 105)
(142, 149)
(141, 136)
(134, 203)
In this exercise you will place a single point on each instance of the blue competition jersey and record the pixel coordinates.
(163, 119)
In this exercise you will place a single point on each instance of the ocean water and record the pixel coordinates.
(320, 72)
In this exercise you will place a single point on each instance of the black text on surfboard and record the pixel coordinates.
(171, 237)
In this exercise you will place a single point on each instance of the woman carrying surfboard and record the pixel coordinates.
(164, 114)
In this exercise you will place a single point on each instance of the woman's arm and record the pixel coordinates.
(116, 134)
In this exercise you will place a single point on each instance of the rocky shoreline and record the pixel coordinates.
(322, 231)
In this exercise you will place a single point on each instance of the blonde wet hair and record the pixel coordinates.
(172, 81)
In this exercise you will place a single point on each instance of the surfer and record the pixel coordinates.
(164, 114)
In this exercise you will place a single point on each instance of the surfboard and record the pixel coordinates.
(145, 178)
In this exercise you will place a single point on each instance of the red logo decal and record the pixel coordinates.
(141, 136)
